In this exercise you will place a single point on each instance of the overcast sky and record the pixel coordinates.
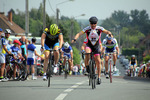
(100, 8)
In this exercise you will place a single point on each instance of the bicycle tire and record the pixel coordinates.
(93, 75)
(49, 70)
(110, 75)
(66, 70)
(23, 72)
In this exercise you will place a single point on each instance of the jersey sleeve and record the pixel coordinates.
(84, 30)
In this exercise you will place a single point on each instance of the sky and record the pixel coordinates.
(73, 9)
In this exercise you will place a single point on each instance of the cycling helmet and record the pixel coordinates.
(17, 42)
(66, 45)
(133, 56)
(93, 20)
(8, 31)
(53, 29)
(108, 37)
(33, 39)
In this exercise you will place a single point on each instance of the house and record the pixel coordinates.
(7, 23)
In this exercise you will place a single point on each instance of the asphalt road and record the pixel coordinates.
(76, 88)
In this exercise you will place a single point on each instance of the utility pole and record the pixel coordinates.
(44, 17)
(57, 15)
(27, 20)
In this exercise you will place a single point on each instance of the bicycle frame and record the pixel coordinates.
(110, 65)
(66, 67)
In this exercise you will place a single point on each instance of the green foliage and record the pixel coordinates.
(76, 56)
(130, 51)
(146, 58)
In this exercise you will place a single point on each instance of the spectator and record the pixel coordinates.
(75, 70)
(23, 48)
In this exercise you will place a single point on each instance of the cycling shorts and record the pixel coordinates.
(52, 46)
(94, 49)
(30, 61)
(68, 55)
(2, 58)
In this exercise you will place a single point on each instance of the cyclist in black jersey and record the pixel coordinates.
(133, 64)
(51, 38)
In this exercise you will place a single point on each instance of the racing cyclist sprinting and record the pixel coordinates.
(67, 51)
(51, 38)
(93, 35)
(110, 45)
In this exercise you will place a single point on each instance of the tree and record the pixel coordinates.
(76, 56)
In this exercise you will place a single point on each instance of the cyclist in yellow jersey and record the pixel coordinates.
(51, 38)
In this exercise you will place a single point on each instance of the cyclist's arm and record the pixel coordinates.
(38, 54)
(78, 35)
(117, 50)
(60, 40)
(106, 32)
(5, 48)
(42, 39)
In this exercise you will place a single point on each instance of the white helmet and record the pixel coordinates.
(108, 37)
(8, 31)
(66, 45)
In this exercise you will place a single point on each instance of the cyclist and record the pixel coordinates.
(67, 51)
(16, 53)
(1, 31)
(51, 38)
(93, 35)
(3, 45)
(31, 48)
(133, 64)
(110, 45)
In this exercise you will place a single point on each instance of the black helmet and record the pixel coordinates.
(93, 20)
(33, 39)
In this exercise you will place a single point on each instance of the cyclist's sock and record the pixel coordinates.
(1, 77)
(44, 74)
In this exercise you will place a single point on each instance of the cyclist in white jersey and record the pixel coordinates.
(110, 45)
(93, 35)
(3, 47)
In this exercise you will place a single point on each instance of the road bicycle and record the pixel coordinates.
(50, 64)
(92, 74)
(14, 66)
(66, 69)
(110, 66)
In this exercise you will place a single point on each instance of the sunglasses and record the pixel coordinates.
(92, 23)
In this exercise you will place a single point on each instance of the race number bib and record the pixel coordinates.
(93, 37)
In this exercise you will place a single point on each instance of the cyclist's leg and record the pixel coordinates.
(56, 53)
(64, 62)
(98, 61)
(3, 63)
(131, 68)
(106, 63)
(87, 57)
(134, 70)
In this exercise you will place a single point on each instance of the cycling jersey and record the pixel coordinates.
(31, 54)
(67, 52)
(14, 50)
(3, 41)
(93, 37)
(133, 61)
(50, 40)
(110, 47)
(23, 48)
(2, 56)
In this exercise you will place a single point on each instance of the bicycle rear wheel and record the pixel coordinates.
(110, 74)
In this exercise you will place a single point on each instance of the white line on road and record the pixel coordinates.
(68, 90)
(61, 96)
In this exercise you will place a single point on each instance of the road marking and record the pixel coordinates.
(65, 93)
(61, 96)
(68, 90)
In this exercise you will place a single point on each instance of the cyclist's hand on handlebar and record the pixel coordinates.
(83, 51)
(74, 40)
